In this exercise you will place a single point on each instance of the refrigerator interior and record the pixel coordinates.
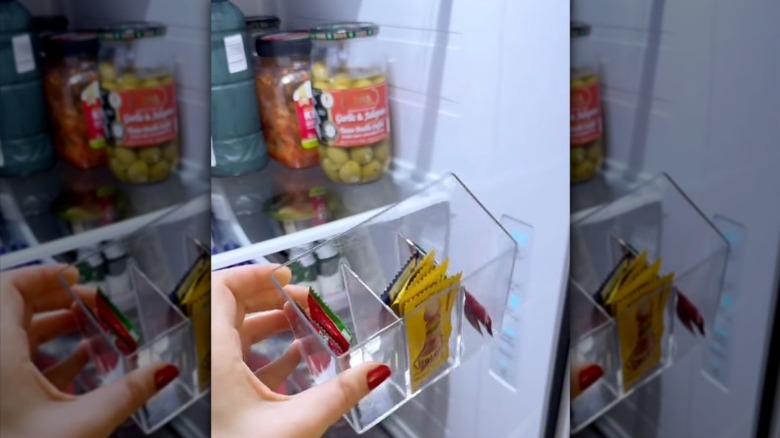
(40, 231)
(474, 92)
(28, 202)
(700, 102)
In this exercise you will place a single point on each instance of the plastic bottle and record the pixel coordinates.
(237, 144)
(25, 145)
(304, 268)
(328, 272)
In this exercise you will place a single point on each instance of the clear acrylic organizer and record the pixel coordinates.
(446, 218)
(657, 217)
(156, 260)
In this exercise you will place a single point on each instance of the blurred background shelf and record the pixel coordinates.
(279, 208)
(65, 209)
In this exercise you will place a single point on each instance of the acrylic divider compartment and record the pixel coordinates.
(657, 217)
(445, 218)
(166, 333)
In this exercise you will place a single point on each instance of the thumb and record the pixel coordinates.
(114, 403)
(328, 402)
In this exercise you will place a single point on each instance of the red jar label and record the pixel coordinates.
(353, 117)
(307, 116)
(144, 116)
(585, 113)
(93, 116)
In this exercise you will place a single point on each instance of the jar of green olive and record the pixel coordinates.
(587, 144)
(349, 83)
(139, 101)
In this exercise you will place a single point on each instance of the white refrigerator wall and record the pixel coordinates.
(187, 38)
(481, 90)
(691, 88)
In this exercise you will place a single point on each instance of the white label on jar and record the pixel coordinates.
(236, 56)
(213, 158)
(23, 54)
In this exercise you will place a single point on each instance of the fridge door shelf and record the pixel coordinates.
(278, 208)
(165, 332)
(445, 218)
(659, 218)
(37, 207)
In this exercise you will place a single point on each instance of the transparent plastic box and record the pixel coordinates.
(142, 295)
(657, 217)
(445, 218)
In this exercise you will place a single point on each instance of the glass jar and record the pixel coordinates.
(587, 144)
(349, 81)
(139, 98)
(259, 25)
(285, 96)
(73, 98)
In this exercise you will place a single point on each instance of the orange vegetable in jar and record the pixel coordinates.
(286, 100)
(73, 98)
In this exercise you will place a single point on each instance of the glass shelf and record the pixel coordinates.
(279, 208)
(66, 208)
(605, 187)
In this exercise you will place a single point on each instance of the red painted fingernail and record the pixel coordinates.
(377, 376)
(589, 375)
(165, 375)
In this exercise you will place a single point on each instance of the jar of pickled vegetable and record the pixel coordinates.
(587, 144)
(285, 97)
(349, 82)
(139, 100)
(73, 98)
(259, 25)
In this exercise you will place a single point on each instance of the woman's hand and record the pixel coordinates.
(243, 405)
(33, 403)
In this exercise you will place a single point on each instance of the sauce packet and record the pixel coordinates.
(192, 295)
(639, 275)
(395, 286)
(640, 325)
(613, 278)
(425, 301)
(330, 326)
(419, 283)
(116, 325)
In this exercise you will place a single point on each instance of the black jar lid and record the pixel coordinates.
(131, 31)
(71, 44)
(343, 31)
(579, 29)
(49, 23)
(290, 43)
(262, 22)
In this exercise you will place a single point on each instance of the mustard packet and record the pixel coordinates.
(640, 325)
(635, 280)
(193, 297)
(428, 318)
(420, 280)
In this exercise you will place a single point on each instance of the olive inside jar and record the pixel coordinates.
(73, 98)
(349, 81)
(286, 100)
(139, 94)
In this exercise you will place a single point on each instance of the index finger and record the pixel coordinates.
(253, 286)
(32, 282)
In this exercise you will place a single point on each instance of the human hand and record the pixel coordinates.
(242, 402)
(32, 403)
